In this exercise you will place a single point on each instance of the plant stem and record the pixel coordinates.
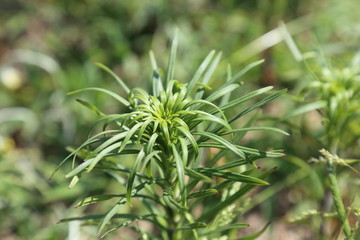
(337, 199)
(171, 224)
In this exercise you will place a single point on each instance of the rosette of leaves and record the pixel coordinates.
(169, 132)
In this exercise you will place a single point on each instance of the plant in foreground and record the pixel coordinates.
(182, 192)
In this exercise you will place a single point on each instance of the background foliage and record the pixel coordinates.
(47, 48)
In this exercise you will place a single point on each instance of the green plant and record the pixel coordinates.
(173, 182)
(335, 94)
(339, 92)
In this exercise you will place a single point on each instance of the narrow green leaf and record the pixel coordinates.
(96, 198)
(245, 70)
(157, 84)
(172, 203)
(232, 176)
(180, 173)
(141, 94)
(213, 119)
(184, 150)
(143, 129)
(86, 143)
(207, 87)
(203, 193)
(114, 95)
(130, 221)
(129, 135)
(254, 129)
(230, 200)
(80, 168)
(255, 235)
(237, 138)
(208, 74)
(258, 104)
(290, 42)
(193, 173)
(195, 225)
(260, 153)
(226, 98)
(110, 141)
(244, 98)
(74, 181)
(112, 213)
(150, 145)
(232, 164)
(171, 64)
(99, 216)
(304, 109)
(153, 60)
(117, 78)
(224, 185)
(84, 218)
(106, 219)
(222, 141)
(189, 137)
(222, 92)
(165, 131)
(129, 186)
(180, 122)
(146, 162)
(201, 69)
(104, 197)
(102, 154)
(91, 107)
(224, 228)
(200, 103)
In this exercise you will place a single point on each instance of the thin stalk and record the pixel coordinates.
(171, 214)
(171, 224)
(334, 187)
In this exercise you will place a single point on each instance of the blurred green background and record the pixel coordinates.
(48, 47)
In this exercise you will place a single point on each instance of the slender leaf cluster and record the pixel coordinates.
(168, 132)
(339, 92)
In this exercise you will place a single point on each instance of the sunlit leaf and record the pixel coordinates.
(114, 95)
(117, 78)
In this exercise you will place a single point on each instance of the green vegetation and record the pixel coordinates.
(182, 146)
(169, 132)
